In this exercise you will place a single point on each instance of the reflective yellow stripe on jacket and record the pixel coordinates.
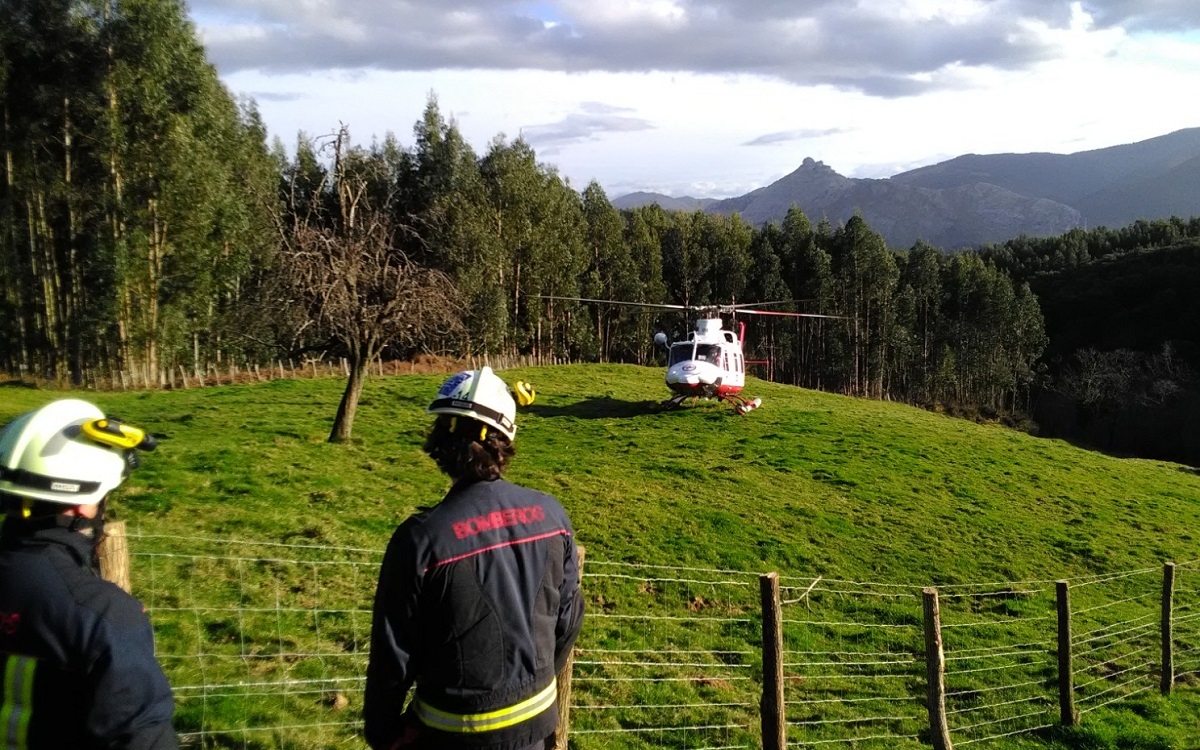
(490, 721)
(17, 707)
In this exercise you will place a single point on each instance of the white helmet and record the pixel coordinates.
(66, 452)
(478, 394)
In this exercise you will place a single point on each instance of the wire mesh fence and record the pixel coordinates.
(266, 646)
(853, 664)
(1000, 653)
(668, 658)
(1115, 639)
(1185, 635)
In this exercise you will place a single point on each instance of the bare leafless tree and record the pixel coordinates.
(355, 285)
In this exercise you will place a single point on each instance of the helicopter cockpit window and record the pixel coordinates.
(681, 352)
(708, 353)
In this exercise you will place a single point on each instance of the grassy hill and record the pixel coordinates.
(812, 485)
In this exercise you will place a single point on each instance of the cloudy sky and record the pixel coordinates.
(713, 98)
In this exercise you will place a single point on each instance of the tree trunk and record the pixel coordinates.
(74, 287)
(14, 291)
(155, 250)
(343, 423)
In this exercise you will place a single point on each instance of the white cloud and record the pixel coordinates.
(665, 94)
(625, 13)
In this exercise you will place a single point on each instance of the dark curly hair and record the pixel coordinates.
(467, 448)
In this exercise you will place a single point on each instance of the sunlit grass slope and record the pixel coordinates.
(810, 484)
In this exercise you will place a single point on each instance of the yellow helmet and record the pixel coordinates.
(525, 392)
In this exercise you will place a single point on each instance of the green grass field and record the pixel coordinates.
(256, 544)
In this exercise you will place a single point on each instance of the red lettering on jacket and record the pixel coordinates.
(498, 519)
(9, 623)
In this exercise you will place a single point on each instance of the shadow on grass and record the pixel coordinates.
(599, 407)
(18, 384)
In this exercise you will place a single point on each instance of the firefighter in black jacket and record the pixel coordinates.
(478, 602)
(77, 652)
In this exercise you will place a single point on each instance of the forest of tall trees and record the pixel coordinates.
(146, 226)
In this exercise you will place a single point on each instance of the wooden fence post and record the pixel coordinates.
(113, 552)
(562, 733)
(935, 671)
(1068, 716)
(771, 709)
(1168, 630)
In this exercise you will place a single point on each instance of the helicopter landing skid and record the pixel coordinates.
(675, 402)
(740, 405)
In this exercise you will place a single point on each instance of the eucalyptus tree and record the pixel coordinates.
(865, 275)
(539, 227)
(185, 164)
(775, 339)
(993, 330)
(128, 165)
(687, 259)
(727, 240)
(919, 317)
(513, 184)
(442, 190)
(644, 227)
(52, 71)
(1026, 332)
(303, 182)
(808, 270)
(612, 274)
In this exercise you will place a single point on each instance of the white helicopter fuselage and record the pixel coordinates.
(708, 364)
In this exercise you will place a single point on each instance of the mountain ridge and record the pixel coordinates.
(975, 199)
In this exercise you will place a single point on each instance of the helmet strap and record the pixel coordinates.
(92, 527)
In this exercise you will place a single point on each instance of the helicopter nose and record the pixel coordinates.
(691, 374)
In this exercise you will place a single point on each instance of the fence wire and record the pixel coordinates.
(854, 668)
(266, 646)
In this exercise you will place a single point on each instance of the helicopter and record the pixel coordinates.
(710, 362)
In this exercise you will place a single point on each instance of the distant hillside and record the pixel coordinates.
(975, 199)
(962, 215)
(686, 203)
(1112, 187)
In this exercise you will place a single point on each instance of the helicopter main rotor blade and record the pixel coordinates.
(617, 302)
(750, 305)
(793, 314)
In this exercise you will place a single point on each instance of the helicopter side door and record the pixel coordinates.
(732, 364)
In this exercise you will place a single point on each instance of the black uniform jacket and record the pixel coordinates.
(77, 652)
(478, 603)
